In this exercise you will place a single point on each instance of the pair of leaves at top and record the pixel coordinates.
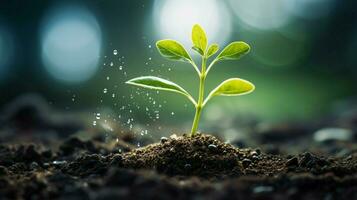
(173, 50)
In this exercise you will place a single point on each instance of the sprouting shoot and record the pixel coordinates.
(173, 50)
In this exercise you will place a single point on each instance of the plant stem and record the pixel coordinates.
(201, 93)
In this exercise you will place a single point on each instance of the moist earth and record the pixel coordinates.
(178, 167)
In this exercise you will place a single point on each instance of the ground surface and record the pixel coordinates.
(44, 159)
(175, 168)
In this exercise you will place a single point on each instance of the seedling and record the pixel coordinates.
(173, 50)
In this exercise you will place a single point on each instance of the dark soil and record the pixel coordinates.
(175, 168)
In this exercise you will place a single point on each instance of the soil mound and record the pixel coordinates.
(201, 155)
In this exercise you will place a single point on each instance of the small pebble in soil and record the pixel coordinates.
(292, 162)
(212, 147)
(255, 157)
(253, 153)
(262, 189)
(246, 162)
(59, 162)
(164, 139)
(307, 160)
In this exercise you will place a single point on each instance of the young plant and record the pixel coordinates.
(173, 50)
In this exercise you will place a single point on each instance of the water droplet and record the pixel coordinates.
(97, 116)
(113, 95)
(115, 52)
(149, 46)
(94, 123)
(172, 113)
(108, 77)
(149, 58)
(105, 90)
(120, 67)
(111, 64)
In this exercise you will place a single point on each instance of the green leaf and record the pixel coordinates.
(212, 49)
(199, 38)
(234, 51)
(157, 83)
(172, 50)
(231, 87)
(198, 50)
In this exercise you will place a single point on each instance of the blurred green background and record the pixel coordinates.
(78, 54)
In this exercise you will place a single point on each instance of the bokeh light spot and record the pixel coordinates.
(263, 15)
(71, 44)
(175, 18)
